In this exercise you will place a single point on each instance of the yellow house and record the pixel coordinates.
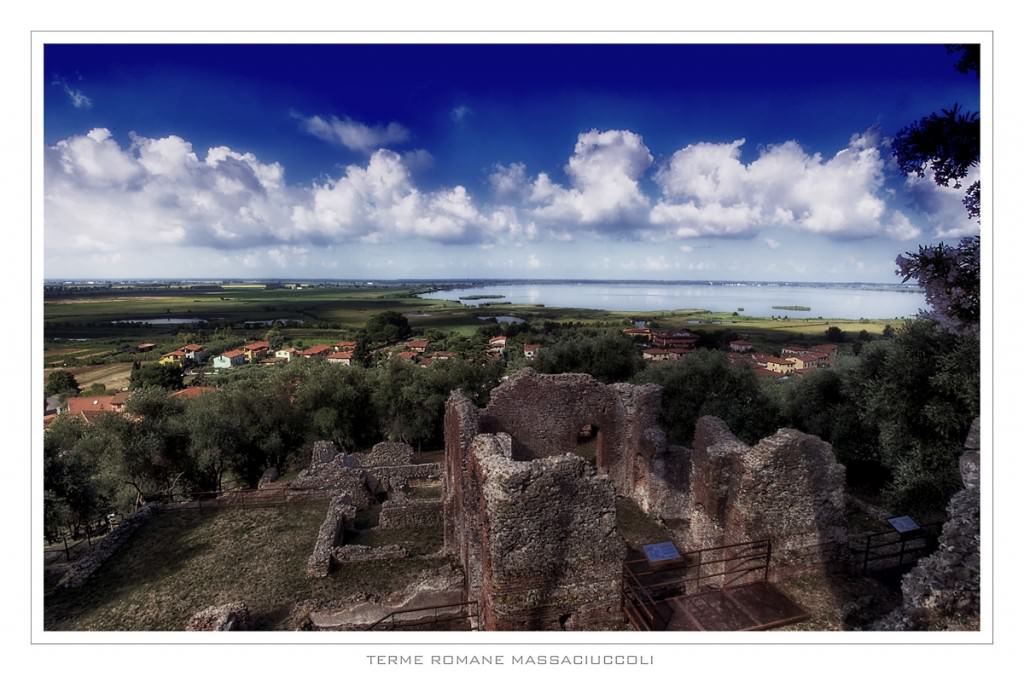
(175, 357)
(777, 365)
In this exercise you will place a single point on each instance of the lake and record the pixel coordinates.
(833, 301)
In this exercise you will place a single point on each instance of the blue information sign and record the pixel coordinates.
(903, 524)
(661, 552)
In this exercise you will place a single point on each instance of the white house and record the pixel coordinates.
(235, 357)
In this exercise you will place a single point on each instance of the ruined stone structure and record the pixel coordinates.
(788, 488)
(544, 415)
(340, 515)
(540, 547)
(387, 454)
(84, 567)
(533, 522)
(232, 616)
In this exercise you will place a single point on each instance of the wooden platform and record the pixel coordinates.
(755, 606)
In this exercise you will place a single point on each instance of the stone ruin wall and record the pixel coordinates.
(550, 555)
(788, 488)
(545, 413)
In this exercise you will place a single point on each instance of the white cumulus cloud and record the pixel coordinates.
(352, 134)
(604, 174)
(707, 190)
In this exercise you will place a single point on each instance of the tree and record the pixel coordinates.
(951, 278)
(167, 375)
(387, 327)
(705, 383)
(61, 382)
(610, 356)
(948, 144)
(834, 334)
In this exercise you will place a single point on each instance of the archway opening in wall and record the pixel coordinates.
(588, 443)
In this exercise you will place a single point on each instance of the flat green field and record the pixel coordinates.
(344, 309)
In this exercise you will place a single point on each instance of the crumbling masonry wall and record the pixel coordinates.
(544, 414)
(533, 524)
(788, 488)
(550, 555)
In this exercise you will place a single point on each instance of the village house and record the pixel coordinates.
(808, 360)
(145, 347)
(316, 351)
(194, 353)
(779, 365)
(286, 354)
(443, 356)
(658, 354)
(345, 346)
(531, 351)
(829, 350)
(256, 351)
(679, 340)
(496, 345)
(235, 357)
(418, 346)
(741, 346)
(340, 358)
(177, 357)
(638, 333)
(406, 356)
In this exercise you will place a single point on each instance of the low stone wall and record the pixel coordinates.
(387, 454)
(337, 477)
(358, 553)
(419, 513)
(84, 567)
(340, 515)
(406, 471)
(232, 616)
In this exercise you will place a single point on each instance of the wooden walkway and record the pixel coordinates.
(755, 606)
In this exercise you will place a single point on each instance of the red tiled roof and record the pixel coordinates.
(345, 343)
(316, 350)
(340, 356)
(254, 346)
(77, 404)
(531, 348)
(176, 352)
(145, 345)
(192, 392)
(408, 356)
(233, 353)
(193, 348)
(777, 360)
(825, 349)
(418, 344)
(742, 343)
(444, 355)
(497, 338)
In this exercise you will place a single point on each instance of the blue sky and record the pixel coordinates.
(547, 161)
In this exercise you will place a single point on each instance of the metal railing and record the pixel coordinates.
(426, 618)
(887, 550)
(645, 586)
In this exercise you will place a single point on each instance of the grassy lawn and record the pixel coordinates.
(184, 561)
